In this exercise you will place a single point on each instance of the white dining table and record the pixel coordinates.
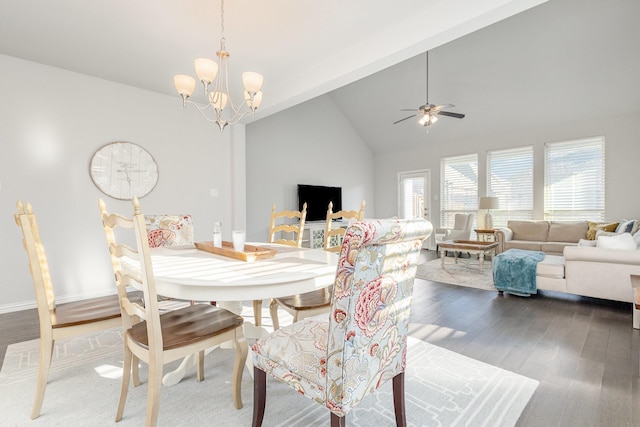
(192, 274)
(188, 273)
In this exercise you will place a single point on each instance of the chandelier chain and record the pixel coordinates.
(222, 39)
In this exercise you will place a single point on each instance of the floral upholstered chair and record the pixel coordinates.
(169, 230)
(363, 342)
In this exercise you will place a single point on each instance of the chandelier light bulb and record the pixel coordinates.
(218, 100)
(185, 85)
(252, 81)
(255, 102)
(206, 69)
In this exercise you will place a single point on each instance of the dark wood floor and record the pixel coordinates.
(583, 351)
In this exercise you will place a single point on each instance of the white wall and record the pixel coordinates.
(51, 122)
(621, 154)
(311, 143)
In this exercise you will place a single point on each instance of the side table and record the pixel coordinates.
(485, 235)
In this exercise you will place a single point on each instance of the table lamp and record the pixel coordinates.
(488, 203)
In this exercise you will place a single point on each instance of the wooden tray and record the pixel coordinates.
(250, 253)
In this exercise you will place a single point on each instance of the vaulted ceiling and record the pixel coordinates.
(369, 55)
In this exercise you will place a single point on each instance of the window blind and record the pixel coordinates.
(510, 178)
(458, 187)
(574, 178)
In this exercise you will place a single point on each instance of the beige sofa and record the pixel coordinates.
(550, 237)
(580, 270)
(592, 272)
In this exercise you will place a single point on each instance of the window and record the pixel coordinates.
(574, 180)
(458, 187)
(510, 178)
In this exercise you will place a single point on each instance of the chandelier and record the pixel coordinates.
(220, 107)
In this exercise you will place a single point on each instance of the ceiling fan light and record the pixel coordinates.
(424, 119)
(433, 118)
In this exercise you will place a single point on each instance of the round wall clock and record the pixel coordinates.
(123, 170)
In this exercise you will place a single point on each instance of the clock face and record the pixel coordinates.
(123, 170)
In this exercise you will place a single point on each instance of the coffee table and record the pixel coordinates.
(469, 246)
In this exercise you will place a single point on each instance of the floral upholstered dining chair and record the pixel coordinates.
(338, 361)
(169, 230)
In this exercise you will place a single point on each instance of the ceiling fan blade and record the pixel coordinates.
(408, 109)
(406, 118)
(440, 107)
(450, 114)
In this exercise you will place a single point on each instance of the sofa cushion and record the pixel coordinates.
(587, 243)
(537, 231)
(554, 247)
(595, 226)
(551, 266)
(619, 241)
(567, 231)
(523, 244)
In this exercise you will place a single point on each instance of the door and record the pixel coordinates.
(414, 199)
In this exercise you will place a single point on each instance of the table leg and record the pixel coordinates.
(442, 252)
(481, 260)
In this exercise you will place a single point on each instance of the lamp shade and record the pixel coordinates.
(252, 81)
(206, 69)
(184, 84)
(489, 203)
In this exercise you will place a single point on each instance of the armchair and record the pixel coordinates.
(461, 229)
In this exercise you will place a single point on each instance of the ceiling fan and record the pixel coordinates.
(428, 113)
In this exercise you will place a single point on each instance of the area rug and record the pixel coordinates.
(464, 273)
(443, 388)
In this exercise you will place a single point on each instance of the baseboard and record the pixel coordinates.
(27, 305)
(10, 308)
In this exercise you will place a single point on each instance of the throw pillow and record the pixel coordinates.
(619, 241)
(587, 243)
(636, 238)
(626, 226)
(595, 226)
(605, 233)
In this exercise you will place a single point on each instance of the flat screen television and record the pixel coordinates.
(317, 198)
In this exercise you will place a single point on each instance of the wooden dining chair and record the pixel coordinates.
(161, 338)
(333, 235)
(338, 361)
(283, 224)
(59, 320)
(317, 302)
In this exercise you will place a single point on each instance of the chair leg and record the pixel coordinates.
(126, 375)
(257, 311)
(398, 400)
(200, 365)
(135, 370)
(242, 349)
(337, 421)
(46, 352)
(273, 310)
(259, 395)
(155, 387)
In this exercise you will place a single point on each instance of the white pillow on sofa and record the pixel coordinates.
(619, 241)
(587, 243)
